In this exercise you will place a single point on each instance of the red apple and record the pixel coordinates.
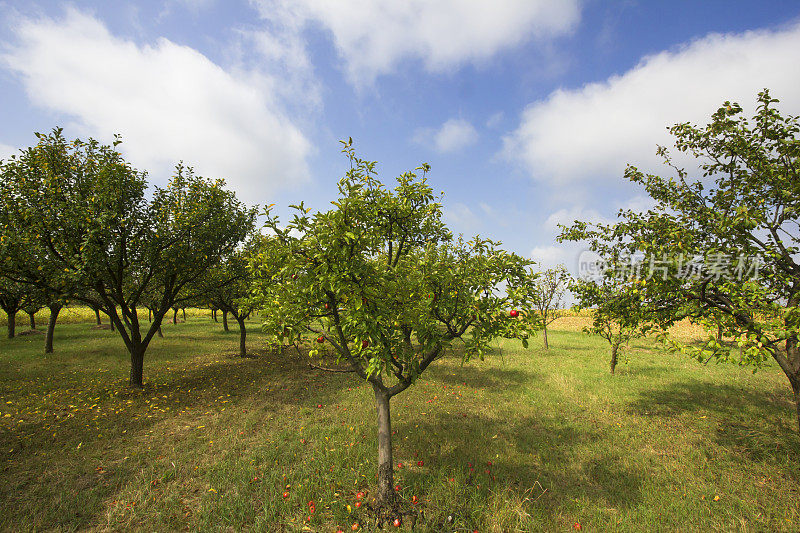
(294, 276)
(420, 463)
(365, 344)
(320, 339)
(354, 527)
(327, 306)
(397, 487)
(359, 495)
(513, 313)
(396, 522)
(414, 500)
(358, 504)
(285, 494)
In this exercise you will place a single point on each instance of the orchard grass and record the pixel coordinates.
(213, 441)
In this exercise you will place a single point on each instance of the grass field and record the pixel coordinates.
(527, 440)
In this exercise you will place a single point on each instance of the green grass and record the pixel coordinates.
(213, 441)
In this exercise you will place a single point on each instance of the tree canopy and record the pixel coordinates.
(381, 280)
(721, 247)
(83, 226)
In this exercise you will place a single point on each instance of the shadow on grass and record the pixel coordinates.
(755, 424)
(97, 435)
(548, 466)
(495, 378)
(556, 475)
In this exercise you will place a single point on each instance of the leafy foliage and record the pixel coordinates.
(382, 280)
(725, 245)
(618, 311)
(381, 269)
(547, 289)
(83, 227)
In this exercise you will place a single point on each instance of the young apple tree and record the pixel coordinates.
(547, 294)
(380, 279)
(617, 310)
(722, 248)
(83, 227)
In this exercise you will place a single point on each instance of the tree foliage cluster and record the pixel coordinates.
(80, 224)
(737, 223)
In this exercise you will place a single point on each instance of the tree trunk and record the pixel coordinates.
(242, 336)
(137, 367)
(175, 316)
(614, 348)
(225, 321)
(32, 316)
(97, 316)
(113, 327)
(214, 314)
(51, 326)
(796, 389)
(793, 355)
(12, 324)
(719, 333)
(386, 495)
(544, 336)
(160, 334)
(149, 315)
(184, 313)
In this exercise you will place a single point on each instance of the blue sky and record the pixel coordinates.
(527, 110)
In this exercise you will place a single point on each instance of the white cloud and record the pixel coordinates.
(461, 219)
(494, 120)
(373, 36)
(551, 256)
(487, 209)
(6, 151)
(567, 216)
(169, 102)
(591, 133)
(452, 136)
(639, 203)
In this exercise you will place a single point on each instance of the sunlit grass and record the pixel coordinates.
(527, 440)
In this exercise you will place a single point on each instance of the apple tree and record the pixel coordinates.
(380, 279)
(721, 247)
(618, 314)
(547, 294)
(227, 286)
(83, 227)
(13, 299)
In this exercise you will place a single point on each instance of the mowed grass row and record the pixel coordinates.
(526, 440)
